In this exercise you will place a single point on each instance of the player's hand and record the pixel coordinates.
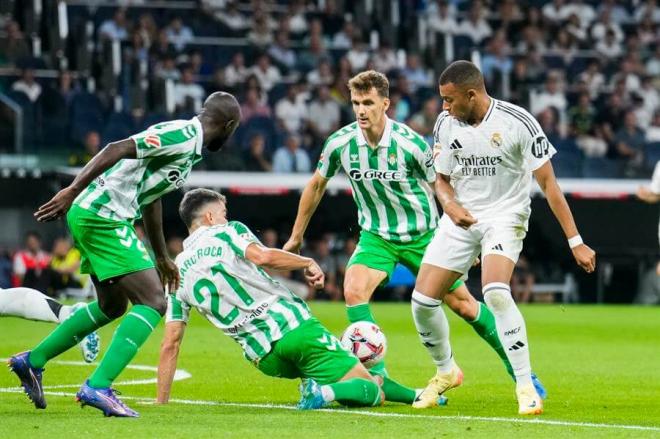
(459, 215)
(293, 245)
(476, 262)
(57, 206)
(314, 275)
(585, 257)
(169, 274)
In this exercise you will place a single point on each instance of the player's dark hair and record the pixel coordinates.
(365, 81)
(194, 200)
(462, 74)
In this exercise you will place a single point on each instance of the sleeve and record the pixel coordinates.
(177, 309)
(329, 162)
(534, 145)
(163, 140)
(238, 237)
(442, 154)
(424, 160)
(655, 180)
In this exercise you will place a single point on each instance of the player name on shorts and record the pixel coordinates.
(479, 166)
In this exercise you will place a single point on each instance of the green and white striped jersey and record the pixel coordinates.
(231, 292)
(390, 182)
(166, 153)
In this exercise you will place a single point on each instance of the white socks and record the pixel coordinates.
(29, 304)
(511, 330)
(433, 329)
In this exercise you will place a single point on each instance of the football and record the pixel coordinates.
(366, 341)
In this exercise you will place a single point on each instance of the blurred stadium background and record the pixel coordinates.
(75, 75)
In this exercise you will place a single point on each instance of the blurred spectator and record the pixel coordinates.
(236, 72)
(522, 280)
(496, 63)
(653, 132)
(415, 73)
(582, 116)
(199, 66)
(161, 48)
(297, 19)
(30, 264)
(594, 78)
(231, 17)
(267, 74)
(174, 246)
(609, 47)
(647, 9)
(615, 10)
(322, 74)
(291, 157)
(605, 26)
(291, 112)
(27, 85)
(358, 55)
(531, 42)
(65, 266)
(188, 95)
(576, 29)
(626, 74)
(115, 28)
(399, 109)
(629, 141)
(323, 256)
(555, 12)
(424, 120)
(56, 100)
(281, 53)
(653, 65)
(260, 35)
(442, 17)
(166, 69)
(344, 38)
(552, 95)
(610, 116)
(385, 59)
(312, 56)
(5, 269)
(584, 12)
(147, 29)
(475, 25)
(255, 156)
(91, 144)
(13, 46)
(179, 34)
(253, 105)
(323, 115)
(521, 83)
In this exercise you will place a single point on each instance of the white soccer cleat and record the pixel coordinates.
(529, 401)
(438, 385)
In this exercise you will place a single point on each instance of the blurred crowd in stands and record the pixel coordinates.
(588, 70)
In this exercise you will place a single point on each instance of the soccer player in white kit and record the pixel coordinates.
(486, 151)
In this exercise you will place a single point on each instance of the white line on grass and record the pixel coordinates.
(536, 421)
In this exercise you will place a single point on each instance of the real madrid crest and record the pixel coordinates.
(496, 140)
(391, 159)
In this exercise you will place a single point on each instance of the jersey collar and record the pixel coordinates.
(384, 140)
(200, 138)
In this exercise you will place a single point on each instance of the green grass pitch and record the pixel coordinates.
(601, 366)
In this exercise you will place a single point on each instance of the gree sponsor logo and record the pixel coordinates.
(375, 174)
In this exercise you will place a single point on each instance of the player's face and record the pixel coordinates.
(458, 101)
(369, 108)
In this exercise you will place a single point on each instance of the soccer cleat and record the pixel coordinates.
(310, 396)
(90, 347)
(30, 378)
(539, 387)
(105, 400)
(529, 402)
(438, 385)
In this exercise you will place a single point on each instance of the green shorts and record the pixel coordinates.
(382, 255)
(107, 248)
(309, 351)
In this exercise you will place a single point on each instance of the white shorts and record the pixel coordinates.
(455, 248)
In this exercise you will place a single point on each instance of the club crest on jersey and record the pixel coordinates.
(152, 140)
(496, 140)
(391, 159)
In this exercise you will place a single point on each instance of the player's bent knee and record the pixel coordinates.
(498, 297)
(354, 295)
(159, 304)
(113, 310)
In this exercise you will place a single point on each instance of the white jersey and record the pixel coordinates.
(231, 292)
(491, 165)
(655, 187)
(165, 153)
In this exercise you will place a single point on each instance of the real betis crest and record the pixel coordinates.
(391, 159)
(496, 140)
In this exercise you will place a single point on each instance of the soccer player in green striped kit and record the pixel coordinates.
(124, 182)
(390, 168)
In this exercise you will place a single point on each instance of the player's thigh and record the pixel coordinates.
(500, 249)
(144, 288)
(275, 366)
(360, 282)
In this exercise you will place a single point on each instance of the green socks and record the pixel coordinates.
(484, 325)
(354, 392)
(69, 333)
(396, 392)
(132, 332)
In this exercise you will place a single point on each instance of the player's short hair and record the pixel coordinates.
(365, 81)
(194, 200)
(462, 74)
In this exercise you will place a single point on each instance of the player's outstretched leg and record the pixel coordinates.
(433, 328)
(356, 392)
(30, 378)
(512, 330)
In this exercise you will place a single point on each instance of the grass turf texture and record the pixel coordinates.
(599, 364)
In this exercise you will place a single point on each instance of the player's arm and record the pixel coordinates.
(169, 353)
(450, 206)
(153, 227)
(584, 256)
(276, 259)
(309, 201)
(61, 202)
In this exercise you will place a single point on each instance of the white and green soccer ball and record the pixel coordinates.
(366, 341)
